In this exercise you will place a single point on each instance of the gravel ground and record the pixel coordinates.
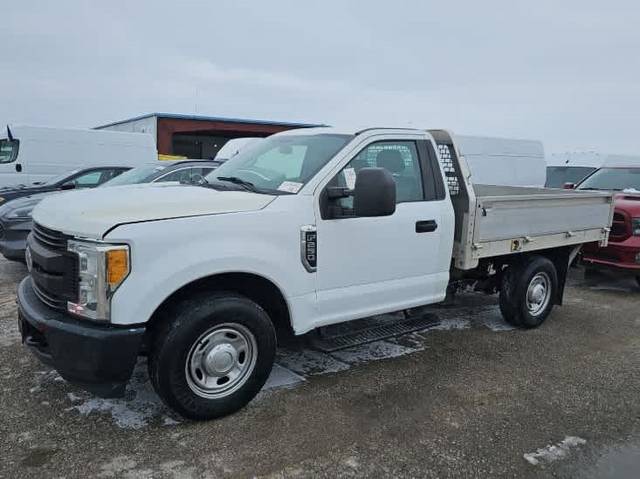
(468, 398)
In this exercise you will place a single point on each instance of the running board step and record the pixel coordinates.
(376, 332)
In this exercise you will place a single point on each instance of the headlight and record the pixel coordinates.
(635, 226)
(24, 212)
(102, 268)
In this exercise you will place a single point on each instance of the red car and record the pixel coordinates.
(623, 252)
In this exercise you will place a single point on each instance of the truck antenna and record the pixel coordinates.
(9, 135)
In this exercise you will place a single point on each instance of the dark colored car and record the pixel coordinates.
(623, 252)
(15, 216)
(85, 178)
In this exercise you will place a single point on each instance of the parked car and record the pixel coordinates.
(183, 171)
(308, 228)
(15, 216)
(568, 169)
(85, 178)
(31, 154)
(622, 254)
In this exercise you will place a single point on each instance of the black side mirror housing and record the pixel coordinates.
(569, 186)
(374, 193)
(68, 186)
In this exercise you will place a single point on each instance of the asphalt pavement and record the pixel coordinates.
(468, 397)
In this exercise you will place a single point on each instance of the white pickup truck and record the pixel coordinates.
(309, 228)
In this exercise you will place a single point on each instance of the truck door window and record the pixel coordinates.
(400, 158)
(8, 151)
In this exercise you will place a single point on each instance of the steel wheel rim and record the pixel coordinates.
(221, 360)
(538, 293)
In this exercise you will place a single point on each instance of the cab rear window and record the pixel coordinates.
(8, 150)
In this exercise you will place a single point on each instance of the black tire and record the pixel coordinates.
(515, 287)
(638, 280)
(179, 336)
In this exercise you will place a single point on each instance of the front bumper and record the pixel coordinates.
(13, 239)
(98, 358)
(620, 256)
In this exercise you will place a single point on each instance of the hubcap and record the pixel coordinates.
(538, 293)
(221, 360)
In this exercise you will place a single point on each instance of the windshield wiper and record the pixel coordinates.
(239, 181)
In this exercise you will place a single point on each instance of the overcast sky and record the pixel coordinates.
(566, 72)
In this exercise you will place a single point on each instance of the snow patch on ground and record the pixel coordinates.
(308, 362)
(281, 378)
(554, 452)
(451, 324)
(138, 407)
(495, 322)
(372, 352)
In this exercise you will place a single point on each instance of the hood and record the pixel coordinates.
(23, 202)
(10, 193)
(91, 213)
(628, 202)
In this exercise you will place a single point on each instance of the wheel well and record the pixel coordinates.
(490, 272)
(255, 287)
(560, 259)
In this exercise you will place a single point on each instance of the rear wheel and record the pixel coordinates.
(212, 354)
(528, 292)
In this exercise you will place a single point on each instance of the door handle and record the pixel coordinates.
(426, 226)
(18, 167)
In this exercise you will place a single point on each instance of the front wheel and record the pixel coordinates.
(528, 292)
(211, 354)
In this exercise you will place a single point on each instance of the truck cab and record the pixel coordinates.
(305, 229)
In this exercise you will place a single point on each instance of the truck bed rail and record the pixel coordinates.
(502, 220)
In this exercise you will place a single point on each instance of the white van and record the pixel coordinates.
(504, 162)
(232, 147)
(30, 154)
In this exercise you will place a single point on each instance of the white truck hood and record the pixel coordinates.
(91, 213)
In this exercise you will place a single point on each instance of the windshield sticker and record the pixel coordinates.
(350, 177)
(290, 186)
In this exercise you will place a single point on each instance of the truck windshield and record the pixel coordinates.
(8, 150)
(279, 164)
(616, 179)
(557, 176)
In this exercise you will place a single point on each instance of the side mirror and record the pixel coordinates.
(569, 186)
(374, 193)
(68, 186)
